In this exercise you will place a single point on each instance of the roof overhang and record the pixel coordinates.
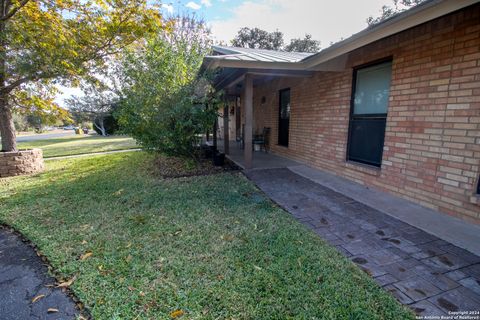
(212, 62)
(234, 77)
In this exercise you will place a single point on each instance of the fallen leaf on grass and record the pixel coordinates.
(176, 313)
(52, 310)
(227, 237)
(40, 296)
(66, 284)
(86, 255)
(119, 192)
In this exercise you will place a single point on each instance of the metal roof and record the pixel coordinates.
(260, 55)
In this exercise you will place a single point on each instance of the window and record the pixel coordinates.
(478, 186)
(368, 115)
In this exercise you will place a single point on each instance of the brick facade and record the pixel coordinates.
(432, 141)
(21, 162)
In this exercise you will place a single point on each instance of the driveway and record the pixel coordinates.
(428, 274)
(26, 289)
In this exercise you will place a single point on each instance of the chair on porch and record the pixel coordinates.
(262, 139)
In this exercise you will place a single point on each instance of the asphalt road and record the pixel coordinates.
(34, 137)
(27, 291)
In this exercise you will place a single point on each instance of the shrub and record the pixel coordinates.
(164, 105)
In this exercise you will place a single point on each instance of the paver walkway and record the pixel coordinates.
(430, 275)
(23, 276)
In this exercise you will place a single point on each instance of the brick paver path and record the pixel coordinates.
(422, 271)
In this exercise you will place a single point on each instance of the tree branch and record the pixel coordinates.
(8, 88)
(12, 12)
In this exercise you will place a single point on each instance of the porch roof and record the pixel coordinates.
(334, 57)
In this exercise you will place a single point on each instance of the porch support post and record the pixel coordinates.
(247, 151)
(215, 129)
(226, 130)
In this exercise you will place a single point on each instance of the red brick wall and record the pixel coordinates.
(432, 139)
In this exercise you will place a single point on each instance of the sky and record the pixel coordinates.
(326, 20)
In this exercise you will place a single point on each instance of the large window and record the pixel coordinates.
(371, 89)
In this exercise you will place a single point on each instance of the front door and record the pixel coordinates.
(284, 117)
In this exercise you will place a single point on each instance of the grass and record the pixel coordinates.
(80, 144)
(210, 247)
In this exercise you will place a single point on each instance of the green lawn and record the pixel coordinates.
(80, 144)
(212, 246)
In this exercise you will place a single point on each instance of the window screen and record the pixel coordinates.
(369, 113)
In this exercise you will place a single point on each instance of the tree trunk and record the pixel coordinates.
(100, 127)
(7, 128)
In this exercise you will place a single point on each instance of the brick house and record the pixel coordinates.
(395, 107)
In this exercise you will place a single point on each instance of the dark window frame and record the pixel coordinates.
(374, 116)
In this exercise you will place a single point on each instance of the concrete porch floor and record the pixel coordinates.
(261, 159)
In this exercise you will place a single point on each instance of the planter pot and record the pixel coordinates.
(208, 151)
(219, 159)
(21, 162)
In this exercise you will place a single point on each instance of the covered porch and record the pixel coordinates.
(239, 133)
(242, 75)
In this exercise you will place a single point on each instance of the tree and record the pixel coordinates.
(256, 38)
(44, 43)
(389, 11)
(306, 44)
(164, 105)
(97, 107)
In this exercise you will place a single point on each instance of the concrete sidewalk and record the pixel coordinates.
(23, 276)
(91, 154)
(430, 275)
